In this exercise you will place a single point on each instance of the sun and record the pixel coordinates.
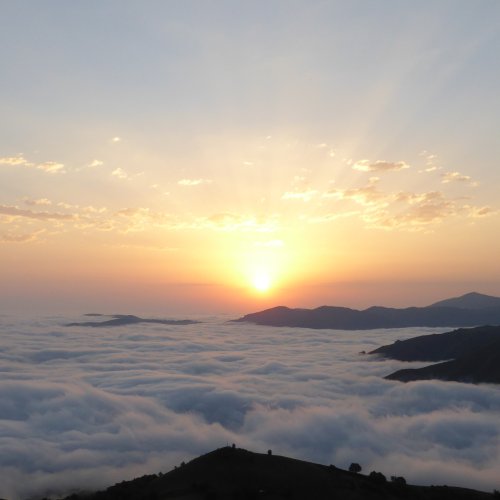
(261, 282)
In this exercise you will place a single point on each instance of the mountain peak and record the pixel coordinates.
(471, 300)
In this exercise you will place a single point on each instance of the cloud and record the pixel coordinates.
(15, 212)
(455, 177)
(193, 182)
(298, 194)
(50, 167)
(38, 202)
(479, 212)
(379, 166)
(226, 221)
(95, 163)
(120, 173)
(420, 210)
(116, 140)
(11, 237)
(366, 195)
(15, 160)
(81, 412)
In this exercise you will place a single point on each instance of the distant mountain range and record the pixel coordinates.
(473, 354)
(472, 309)
(231, 473)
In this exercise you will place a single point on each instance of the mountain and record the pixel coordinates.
(230, 473)
(473, 354)
(480, 366)
(442, 346)
(129, 319)
(471, 300)
(469, 310)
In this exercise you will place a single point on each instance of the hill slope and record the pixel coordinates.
(230, 473)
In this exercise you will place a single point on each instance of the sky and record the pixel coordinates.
(84, 408)
(217, 156)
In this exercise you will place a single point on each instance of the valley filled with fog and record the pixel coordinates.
(87, 407)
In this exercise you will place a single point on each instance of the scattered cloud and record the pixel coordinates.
(38, 202)
(479, 212)
(50, 167)
(298, 194)
(366, 195)
(120, 173)
(193, 182)
(15, 212)
(226, 221)
(12, 237)
(455, 177)
(379, 166)
(431, 162)
(116, 140)
(95, 163)
(14, 160)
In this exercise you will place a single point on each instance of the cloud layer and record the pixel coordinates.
(81, 408)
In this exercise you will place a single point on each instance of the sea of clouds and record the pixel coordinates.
(83, 408)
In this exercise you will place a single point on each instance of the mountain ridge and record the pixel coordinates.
(472, 355)
(471, 309)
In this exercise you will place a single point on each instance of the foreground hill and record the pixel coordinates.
(230, 473)
(474, 355)
(472, 309)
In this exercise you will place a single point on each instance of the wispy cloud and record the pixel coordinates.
(14, 160)
(365, 195)
(298, 194)
(379, 166)
(13, 212)
(448, 177)
(194, 182)
(13, 237)
(38, 202)
(50, 167)
(226, 221)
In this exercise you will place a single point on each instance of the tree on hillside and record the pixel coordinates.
(355, 467)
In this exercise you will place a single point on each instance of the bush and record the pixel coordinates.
(400, 480)
(355, 467)
(377, 477)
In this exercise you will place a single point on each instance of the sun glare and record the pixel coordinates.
(261, 282)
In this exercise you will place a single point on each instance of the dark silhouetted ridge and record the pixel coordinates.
(129, 319)
(473, 356)
(472, 300)
(231, 473)
(469, 310)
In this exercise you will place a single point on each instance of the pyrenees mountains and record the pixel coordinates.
(472, 309)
